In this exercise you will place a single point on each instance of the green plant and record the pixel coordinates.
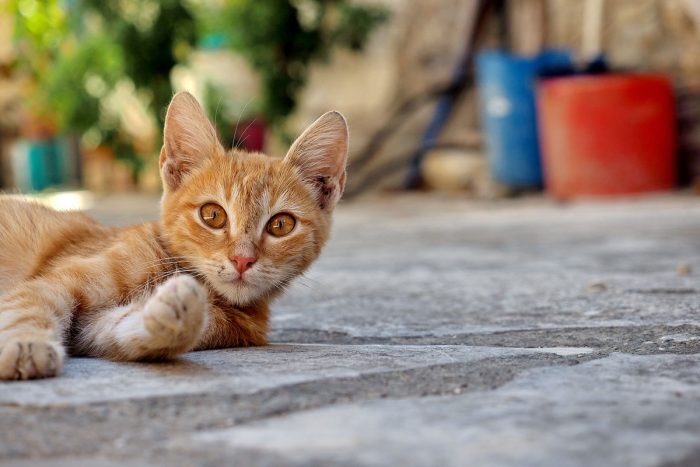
(78, 52)
(219, 113)
(152, 35)
(39, 29)
(281, 38)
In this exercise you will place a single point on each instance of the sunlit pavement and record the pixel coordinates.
(433, 331)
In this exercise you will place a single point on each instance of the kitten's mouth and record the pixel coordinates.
(232, 278)
(237, 288)
(240, 281)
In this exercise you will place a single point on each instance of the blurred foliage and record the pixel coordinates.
(76, 83)
(41, 26)
(356, 23)
(153, 35)
(78, 51)
(281, 38)
(215, 106)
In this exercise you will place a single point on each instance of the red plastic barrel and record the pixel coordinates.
(607, 134)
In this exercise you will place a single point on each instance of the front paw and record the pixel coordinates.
(30, 356)
(175, 315)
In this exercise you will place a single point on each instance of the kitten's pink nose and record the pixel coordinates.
(242, 263)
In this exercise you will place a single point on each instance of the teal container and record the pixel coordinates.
(40, 164)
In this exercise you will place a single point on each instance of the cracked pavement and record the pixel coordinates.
(433, 331)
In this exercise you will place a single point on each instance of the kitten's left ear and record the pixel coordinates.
(320, 155)
(188, 139)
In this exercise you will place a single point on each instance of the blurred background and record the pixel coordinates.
(486, 98)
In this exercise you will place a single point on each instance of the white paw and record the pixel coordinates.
(175, 315)
(30, 356)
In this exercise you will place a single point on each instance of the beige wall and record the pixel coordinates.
(416, 51)
(421, 46)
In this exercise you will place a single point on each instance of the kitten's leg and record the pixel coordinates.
(33, 320)
(164, 325)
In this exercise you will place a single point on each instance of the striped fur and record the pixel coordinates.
(158, 289)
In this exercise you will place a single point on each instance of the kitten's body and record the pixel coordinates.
(162, 288)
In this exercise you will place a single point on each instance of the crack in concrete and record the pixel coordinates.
(663, 291)
(644, 340)
(78, 429)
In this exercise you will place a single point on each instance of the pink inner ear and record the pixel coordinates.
(321, 150)
(188, 138)
(320, 155)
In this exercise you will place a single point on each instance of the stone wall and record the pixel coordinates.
(412, 54)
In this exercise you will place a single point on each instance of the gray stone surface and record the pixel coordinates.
(433, 331)
(242, 371)
(619, 410)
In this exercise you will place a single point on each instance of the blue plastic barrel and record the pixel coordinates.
(506, 86)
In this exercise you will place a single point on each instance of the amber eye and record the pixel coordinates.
(280, 225)
(213, 215)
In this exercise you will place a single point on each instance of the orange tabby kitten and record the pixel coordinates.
(236, 228)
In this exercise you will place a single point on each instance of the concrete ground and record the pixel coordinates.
(433, 331)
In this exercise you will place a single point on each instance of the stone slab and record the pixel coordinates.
(436, 270)
(239, 371)
(617, 411)
(117, 409)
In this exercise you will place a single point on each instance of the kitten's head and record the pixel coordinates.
(247, 223)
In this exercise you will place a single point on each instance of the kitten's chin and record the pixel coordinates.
(237, 293)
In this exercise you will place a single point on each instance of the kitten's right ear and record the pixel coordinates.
(188, 139)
